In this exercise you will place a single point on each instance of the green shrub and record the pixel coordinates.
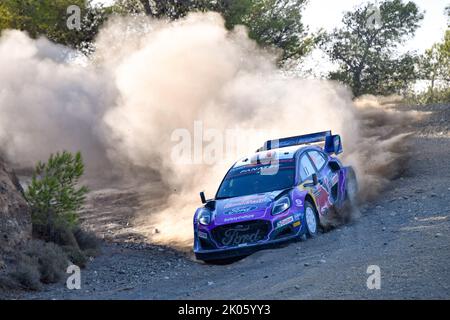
(59, 233)
(55, 200)
(53, 194)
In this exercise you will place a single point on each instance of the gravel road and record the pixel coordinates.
(405, 231)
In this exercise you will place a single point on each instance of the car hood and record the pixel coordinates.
(243, 208)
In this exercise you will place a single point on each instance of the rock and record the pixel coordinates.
(306, 264)
(384, 228)
(378, 207)
(322, 261)
(433, 195)
(297, 287)
(15, 218)
(438, 234)
(210, 283)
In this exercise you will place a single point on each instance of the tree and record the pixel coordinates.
(271, 23)
(53, 194)
(49, 18)
(435, 67)
(276, 23)
(364, 47)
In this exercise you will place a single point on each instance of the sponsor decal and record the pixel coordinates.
(241, 210)
(239, 236)
(284, 222)
(202, 235)
(296, 224)
(298, 202)
(243, 203)
(335, 179)
(248, 216)
(297, 216)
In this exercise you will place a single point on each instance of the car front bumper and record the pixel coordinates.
(233, 252)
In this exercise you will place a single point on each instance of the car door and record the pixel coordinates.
(307, 169)
(327, 177)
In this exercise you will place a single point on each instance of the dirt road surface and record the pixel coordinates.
(405, 231)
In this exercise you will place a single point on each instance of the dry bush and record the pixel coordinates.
(87, 241)
(36, 263)
(75, 255)
(50, 259)
(25, 274)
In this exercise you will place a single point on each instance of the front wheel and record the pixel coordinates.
(312, 222)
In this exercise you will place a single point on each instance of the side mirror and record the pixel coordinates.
(202, 197)
(315, 179)
(333, 144)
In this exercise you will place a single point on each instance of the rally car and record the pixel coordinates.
(281, 192)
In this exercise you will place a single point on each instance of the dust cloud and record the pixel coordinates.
(150, 83)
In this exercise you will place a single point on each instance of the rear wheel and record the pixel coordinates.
(351, 190)
(311, 219)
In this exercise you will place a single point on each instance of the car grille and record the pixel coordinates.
(242, 232)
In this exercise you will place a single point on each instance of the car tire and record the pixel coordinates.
(311, 220)
(351, 190)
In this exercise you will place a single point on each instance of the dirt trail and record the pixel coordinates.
(406, 232)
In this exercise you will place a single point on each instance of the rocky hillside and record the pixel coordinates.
(15, 220)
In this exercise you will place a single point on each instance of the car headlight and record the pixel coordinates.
(281, 205)
(204, 217)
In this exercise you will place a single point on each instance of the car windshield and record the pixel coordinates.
(251, 179)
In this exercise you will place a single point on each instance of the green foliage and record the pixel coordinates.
(434, 67)
(49, 18)
(438, 95)
(365, 51)
(53, 194)
(271, 23)
(276, 23)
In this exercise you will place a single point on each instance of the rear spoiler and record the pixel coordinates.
(333, 143)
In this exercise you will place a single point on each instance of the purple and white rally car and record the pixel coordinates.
(281, 192)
